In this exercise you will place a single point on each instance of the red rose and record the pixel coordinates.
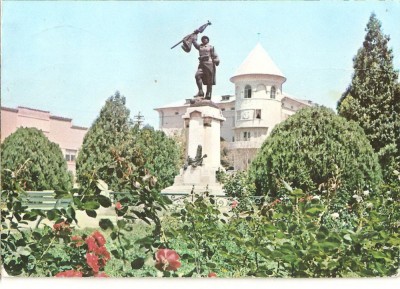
(62, 226)
(212, 275)
(91, 243)
(99, 238)
(93, 261)
(118, 206)
(101, 274)
(95, 241)
(69, 273)
(103, 254)
(167, 260)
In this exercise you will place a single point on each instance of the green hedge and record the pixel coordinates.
(39, 161)
(308, 148)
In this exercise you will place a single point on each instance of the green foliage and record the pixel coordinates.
(25, 251)
(108, 141)
(307, 149)
(370, 100)
(298, 236)
(240, 187)
(161, 154)
(141, 204)
(44, 165)
(113, 141)
(193, 230)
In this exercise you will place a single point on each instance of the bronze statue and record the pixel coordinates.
(205, 74)
(197, 161)
(208, 60)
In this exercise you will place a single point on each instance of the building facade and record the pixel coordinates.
(59, 130)
(258, 105)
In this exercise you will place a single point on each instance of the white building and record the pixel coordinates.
(258, 105)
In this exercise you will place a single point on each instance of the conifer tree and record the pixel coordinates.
(161, 153)
(119, 152)
(37, 160)
(107, 141)
(370, 98)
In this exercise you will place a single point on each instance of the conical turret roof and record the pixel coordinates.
(258, 62)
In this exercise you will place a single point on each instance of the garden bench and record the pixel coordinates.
(44, 200)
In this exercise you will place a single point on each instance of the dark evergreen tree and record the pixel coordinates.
(108, 141)
(161, 153)
(119, 153)
(40, 162)
(308, 149)
(370, 98)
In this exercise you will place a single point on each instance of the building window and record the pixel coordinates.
(222, 109)
(273, 92)
(232, 108)
(258, 113)
(70, 155)
(233, 139)
(247, 91)
(246, 136)
(176, 112)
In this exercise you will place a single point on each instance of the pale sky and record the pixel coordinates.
(68, 57)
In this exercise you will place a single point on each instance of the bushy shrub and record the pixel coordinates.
(161, 155)
(239, 186)
(308, 148)
(44, 165)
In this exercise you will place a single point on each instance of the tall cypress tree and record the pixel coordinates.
(370, 99)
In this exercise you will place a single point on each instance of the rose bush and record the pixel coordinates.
(46, 252)
(299, 235)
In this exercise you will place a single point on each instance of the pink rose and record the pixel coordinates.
(118, 206)
(167, 260)
(234, 204)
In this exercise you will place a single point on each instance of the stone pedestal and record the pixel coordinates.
(202, 123)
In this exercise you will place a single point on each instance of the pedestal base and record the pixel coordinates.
(199, 179)
(202, 122)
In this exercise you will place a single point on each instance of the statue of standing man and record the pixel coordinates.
(208, 60)
(205, 74)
